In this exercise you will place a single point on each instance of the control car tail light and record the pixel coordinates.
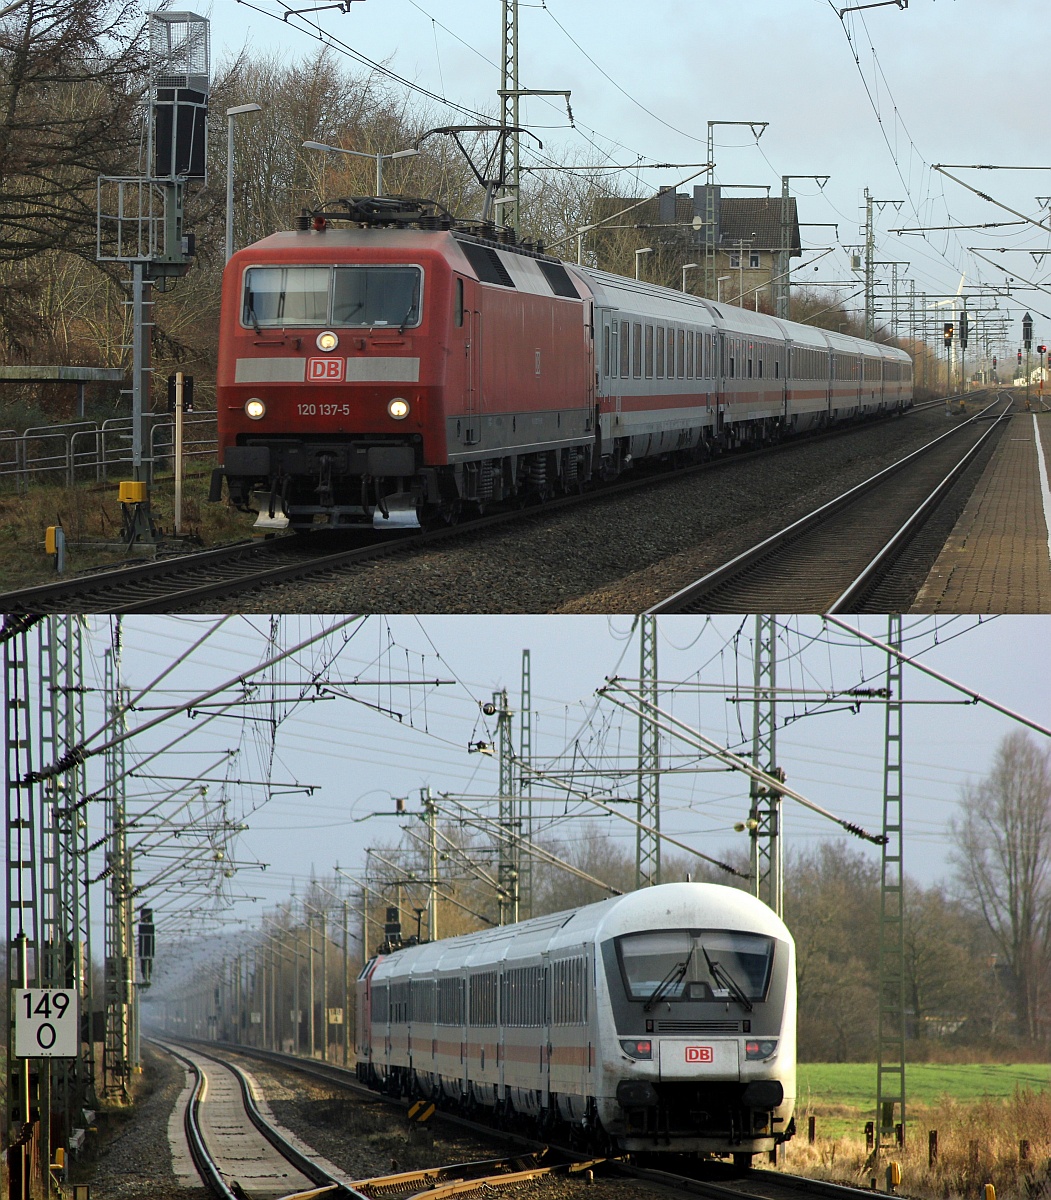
(637, 1048)
(758, 1050)
(255, 408)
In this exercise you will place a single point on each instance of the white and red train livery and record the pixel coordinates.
(403, 366)
(660, 1020)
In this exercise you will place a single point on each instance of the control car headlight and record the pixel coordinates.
(398, 408)
(327, 341)
(255, 408)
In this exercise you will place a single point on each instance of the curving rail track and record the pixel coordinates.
(715, 1181)
(841, 557)
(238, 1155)
(182, 582)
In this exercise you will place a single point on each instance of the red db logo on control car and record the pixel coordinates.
(698, 1054)
(326, 370)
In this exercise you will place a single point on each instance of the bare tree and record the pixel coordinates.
(70, 92)
(1003, 864)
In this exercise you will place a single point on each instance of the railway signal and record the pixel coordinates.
(963, 330)
(947, 333)
(1027, 332)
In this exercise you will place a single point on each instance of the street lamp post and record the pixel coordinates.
(719, 287)
(230, 114)
(686, 267)
(380, 158)
(638, 257)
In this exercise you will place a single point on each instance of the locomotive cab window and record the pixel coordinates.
(695, 964)
(347, 297)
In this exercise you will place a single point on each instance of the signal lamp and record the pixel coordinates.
(637, 1048)
(255, 408)
(327, 341)
(398, 408)
(759, 1050)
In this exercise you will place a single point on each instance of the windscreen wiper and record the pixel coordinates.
(721, 975)
(251, 309)
(674, 976)
(412, 304)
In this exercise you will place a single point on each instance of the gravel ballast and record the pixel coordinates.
(134, 1161)
(619, 553)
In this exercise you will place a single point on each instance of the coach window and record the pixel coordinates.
(649, 351)
(689, 353)
(660, 351)
(625, 349)
(681, 356)
(459, 302)
(636, 350)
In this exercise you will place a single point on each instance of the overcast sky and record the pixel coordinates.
(420, 684)
(872, 100)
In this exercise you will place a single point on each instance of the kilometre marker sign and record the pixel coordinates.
(47, 1022)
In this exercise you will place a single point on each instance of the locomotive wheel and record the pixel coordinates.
(742, 1161)
(446, 512)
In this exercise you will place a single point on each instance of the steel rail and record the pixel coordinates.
(854, 593)
(792, 533)
(57, 596)
(400, 1181)
(203, 1160)
(765, 1182)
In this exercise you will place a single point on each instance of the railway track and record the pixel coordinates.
(713, 1180)
(183, 582)
(238, 1155)
(842, 557)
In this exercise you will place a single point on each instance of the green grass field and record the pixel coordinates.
(843, 1095)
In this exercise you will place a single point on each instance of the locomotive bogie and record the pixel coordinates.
(661, 1020)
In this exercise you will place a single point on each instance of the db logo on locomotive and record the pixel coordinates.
(699, 1054)
(328, 370)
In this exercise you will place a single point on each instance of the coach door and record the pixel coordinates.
(722, 398)
(607, 369)
(545, 1036)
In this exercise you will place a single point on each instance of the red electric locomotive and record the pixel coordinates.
(369, 375)
(407, 367)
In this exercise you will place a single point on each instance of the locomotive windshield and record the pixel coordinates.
(695, 964)
(355, 297)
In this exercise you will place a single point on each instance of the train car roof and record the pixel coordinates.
(649, 299)
(671, 905)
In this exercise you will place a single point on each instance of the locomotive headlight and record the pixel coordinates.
(398, 408)
(637, 1047)
(255, 408)
(327, 341)
(756, 1051)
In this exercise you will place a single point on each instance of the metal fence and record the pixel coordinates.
(87, 451)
